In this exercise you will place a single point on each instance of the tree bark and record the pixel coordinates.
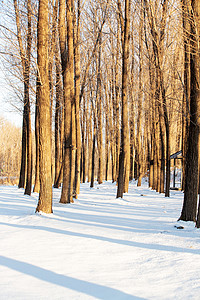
(140, 93)
(99, 116)
(77, 101)
(189, 209)
(123, 178)
(25, 179)
(67, 58)
(45, 196)
(186, 93)
(37, 173)
(93, 149)
(58, 121)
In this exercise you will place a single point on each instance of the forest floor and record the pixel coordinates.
(99, 247)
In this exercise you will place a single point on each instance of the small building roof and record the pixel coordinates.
(175, 155)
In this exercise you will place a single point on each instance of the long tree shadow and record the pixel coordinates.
(110, 222)
(108, 239)
(112, 207)
(96, 290)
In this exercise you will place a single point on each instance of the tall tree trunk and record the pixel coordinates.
(140, 93)
(132, 116)
(22, 177)
(186, 93)
(107, 136)
(45, 196)
(192, 156)
(28, 188)
(58, 142)
(67, 58)
(90, 147)
(37, 173)
(93, 151)
(77, 100)
(117, 106)
(99, 117)
(84, 142)
(123, 178)
(27, 101)
(162, 151)
(26, 158)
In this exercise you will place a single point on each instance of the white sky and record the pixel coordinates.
(6, 109)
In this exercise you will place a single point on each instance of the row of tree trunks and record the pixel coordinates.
(160, 104)
(77, 160)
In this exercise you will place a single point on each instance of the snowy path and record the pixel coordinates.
(99, 247)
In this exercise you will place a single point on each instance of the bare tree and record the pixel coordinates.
(45, 196)
(25, 53)
(189, 209)
(67, 59)
(124, 162)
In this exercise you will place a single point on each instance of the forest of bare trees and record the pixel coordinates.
(10, 152)
(114, 90)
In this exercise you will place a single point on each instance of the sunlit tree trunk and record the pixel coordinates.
(124, 163)
(99, 116)
(140, 94)
(77, 100)
(93, 149)
(117, 106)
(67, 59)
(37, 174)
(45, 196)
(186, 93)
(58, 120)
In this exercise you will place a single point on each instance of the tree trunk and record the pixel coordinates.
(45, 196)
(90, 143)
(186, 92)
(132, 120)
(28, 188)
(123, 179)
(37, 173)
(22, 177)
(140, 93)
(93, 154)
(77, 101)
(99, 117)
(27, 101)
(26, 158)
(117, 107)
(67, 57)
(192, 156)
(27, 104)
(58, 143)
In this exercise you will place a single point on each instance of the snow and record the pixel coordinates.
(99, 247)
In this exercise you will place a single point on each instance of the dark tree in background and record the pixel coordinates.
(189, 209)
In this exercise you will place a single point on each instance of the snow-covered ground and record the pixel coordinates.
(99, 247)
